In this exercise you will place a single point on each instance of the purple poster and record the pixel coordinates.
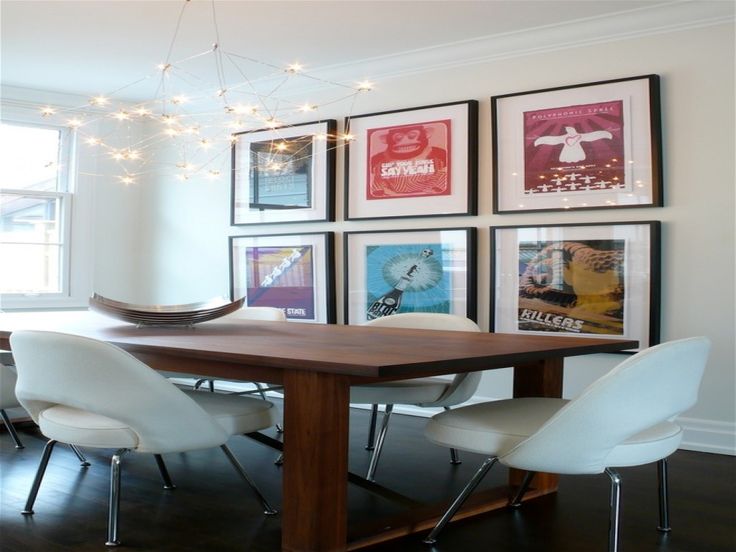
(577, 148)
(281, 277)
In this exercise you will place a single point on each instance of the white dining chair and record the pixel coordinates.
(623, 419)
(8, 400)
(93, 394)
(271, 314)
(421, 392)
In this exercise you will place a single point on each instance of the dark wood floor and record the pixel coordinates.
(211, 510)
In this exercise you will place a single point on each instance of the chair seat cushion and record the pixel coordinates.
(236, 414)
(494, 428)
(86, 429)
(415, 391)
(491, 428)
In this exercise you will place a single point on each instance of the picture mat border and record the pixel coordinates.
(653, 172)
(324, 172)
(323, 257)
(649, 331)
(464, 174)
(470, 242)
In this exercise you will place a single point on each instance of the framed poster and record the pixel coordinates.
(284, 174)
(293, 272)
(587, 146)
(595, 280)
(413, 162)
(391, 272)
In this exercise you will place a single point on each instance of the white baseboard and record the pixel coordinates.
(708, 436)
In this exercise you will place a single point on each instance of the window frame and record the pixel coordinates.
(74, 269)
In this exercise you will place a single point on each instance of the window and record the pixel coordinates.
(35, 211)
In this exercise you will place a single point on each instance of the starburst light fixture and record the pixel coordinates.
(186, 126)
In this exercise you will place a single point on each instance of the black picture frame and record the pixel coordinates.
(279, 253)
(595, 145)
(449, 285)
(284, 175)
(590, 279)
(430, 183)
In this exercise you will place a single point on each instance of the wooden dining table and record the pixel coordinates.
(317, 364)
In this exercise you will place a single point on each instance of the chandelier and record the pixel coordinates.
(189, 121)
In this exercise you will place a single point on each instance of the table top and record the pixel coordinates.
(370, 352)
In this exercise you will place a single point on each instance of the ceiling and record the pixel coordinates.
(98, 46)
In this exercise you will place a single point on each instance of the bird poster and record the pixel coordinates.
(281, 277)
(411, 160)
(575, 148)
(572, 287)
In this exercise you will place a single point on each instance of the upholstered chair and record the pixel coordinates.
(93, 394)
(626, 418)
(424, 392)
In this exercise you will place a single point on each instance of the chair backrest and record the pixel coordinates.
(91, 375)
(259, 313)
(7, 387)
(463, 386)
(646, 389)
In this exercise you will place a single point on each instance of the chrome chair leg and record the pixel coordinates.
(375, 457)
(372, 428)
(267, 508)
(168, 484)
(11, 429)
(200, 382)
(280, 460)
(454, 458)
(114, 499)
(262, 393)
(461, 498)
(82, 460)
(664, 497)
(47, 450)
(523, 488)
(615, 512)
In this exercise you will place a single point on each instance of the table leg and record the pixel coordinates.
(316, 420)
(541, 379)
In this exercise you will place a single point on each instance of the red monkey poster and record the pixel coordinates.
(409, 160)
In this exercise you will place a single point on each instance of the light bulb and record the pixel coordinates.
(99, 100)
(293, 68)
(365, 86)
(47, 111)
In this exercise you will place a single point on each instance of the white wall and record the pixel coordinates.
(165, 241)
(186, 225)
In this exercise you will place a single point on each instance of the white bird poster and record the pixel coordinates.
(578, 148)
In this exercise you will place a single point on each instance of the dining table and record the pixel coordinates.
(316, 364)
